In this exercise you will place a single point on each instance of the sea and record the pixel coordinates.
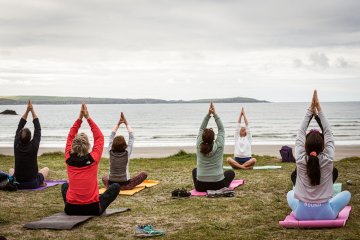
(164, 125)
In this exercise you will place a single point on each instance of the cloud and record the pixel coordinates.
(319, 60)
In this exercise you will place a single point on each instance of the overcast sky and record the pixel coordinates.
(272, 50)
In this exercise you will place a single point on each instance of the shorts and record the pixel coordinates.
(242, 160)
(37, 182)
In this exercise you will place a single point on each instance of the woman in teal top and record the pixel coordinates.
(209, 173)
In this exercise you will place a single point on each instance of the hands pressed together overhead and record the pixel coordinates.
(84, 111)
(211, 109)
(122, 119)
(315, 104)
(29, 108)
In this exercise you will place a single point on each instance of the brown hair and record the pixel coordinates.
(25, 136)
(208, 141)
(119, 144)
(314, 143)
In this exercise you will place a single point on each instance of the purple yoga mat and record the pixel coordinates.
(234, 184)
(49, 183)
(291, 222)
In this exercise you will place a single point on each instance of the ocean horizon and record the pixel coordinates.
(177, 124)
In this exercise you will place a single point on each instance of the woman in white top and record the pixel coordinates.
(242, 151)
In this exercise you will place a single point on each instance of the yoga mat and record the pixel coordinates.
(291, 222)
(138, 188)
(234, 184)
(49, 183)
(258, 167)
(148, 183)
(61, 221)
(266, 167)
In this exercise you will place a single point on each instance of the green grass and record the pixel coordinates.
(252, 214)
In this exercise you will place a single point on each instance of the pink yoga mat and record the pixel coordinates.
(49, 183)
(291, 222)
(234, 184)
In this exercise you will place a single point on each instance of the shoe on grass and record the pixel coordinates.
(180, 193)
(223, 192)
(147, 230)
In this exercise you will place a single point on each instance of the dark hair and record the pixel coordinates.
(208, 141)
(314, 143)
(119, 144)
(25, 136)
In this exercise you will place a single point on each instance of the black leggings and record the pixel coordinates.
(96, 208)
(204, 186)
(335, 174)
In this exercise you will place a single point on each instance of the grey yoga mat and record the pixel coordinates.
(61, 221)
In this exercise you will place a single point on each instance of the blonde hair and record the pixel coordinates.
(80, 145)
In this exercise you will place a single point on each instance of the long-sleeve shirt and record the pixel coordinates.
(26, 165)
(83, 181)
(242, 147)
(304, 191)
(119, 161)
(210, 166)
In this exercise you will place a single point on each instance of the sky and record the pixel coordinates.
(181, 49)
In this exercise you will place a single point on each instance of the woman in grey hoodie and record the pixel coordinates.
(119, 156)
(312, 198)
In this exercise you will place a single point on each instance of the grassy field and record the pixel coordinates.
(252, 214)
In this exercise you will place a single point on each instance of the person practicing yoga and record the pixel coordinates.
(209, 173)
(26, 170)
(335, 171)
(119, 156)
(242, 151)
(314, 153)
(81, 193)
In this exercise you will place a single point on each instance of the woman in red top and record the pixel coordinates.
(81, 193)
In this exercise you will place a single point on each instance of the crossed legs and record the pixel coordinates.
(246, 165)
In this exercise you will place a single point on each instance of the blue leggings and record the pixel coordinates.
(318, 211)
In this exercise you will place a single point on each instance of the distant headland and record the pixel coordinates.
(51, 100)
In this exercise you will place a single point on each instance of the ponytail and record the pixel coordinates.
(206, 148)
(208, 141)
(313, 169)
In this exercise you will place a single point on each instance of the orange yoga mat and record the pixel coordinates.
(138, 188)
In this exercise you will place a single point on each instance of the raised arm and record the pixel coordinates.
(202, 127)
(131, 139)
(98, 147)
(21, 124)
(220, 139)
(73, 131)
(329, 143)
(37, 128)
(237, 130)
(301, 137)
(245, 118)
(112, 135)
(131, 134)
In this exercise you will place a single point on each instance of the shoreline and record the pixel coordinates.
(341, 151)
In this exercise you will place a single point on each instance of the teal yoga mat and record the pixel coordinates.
(259, 167)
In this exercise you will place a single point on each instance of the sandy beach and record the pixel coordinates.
(342, 151)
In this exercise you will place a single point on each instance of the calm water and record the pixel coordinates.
(177, 124)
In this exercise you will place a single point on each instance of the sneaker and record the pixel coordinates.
(180, 193)
(147, 231)
(223, 192)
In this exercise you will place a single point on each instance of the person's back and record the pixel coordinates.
(119, 157)
(81, 193)
(26, 169)
(312, 198)
(210, 165)
(209, 173)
